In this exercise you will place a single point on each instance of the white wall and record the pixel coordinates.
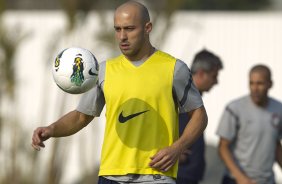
(240, 39)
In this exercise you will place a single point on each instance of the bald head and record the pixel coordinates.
(134, 8)
(132, 30)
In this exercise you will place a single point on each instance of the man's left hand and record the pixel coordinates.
(165, 158)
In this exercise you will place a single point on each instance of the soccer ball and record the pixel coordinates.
(75, 70)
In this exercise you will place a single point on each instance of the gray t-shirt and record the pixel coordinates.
(186, 95)
(253, 132)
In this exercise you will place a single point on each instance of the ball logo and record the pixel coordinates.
(57, 60)
(92, 73)
(57, 63)
(96, 67)
(77, 76)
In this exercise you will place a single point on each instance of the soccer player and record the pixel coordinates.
(143, 89)
(250, 132)
(204, 68)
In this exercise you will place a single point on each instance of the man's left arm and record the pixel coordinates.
(168, 156)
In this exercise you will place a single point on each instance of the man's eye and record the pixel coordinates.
(117, 29)
(130, 28)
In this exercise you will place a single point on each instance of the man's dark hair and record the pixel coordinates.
(206, 60)
(262, 68)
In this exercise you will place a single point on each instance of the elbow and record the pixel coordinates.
(223, 147)
(219, 150)
(206, 123)
(205, 119)
(82, 120)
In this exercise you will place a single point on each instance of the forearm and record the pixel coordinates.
(227, 158)
(69, 124)
(195, 127)
(164, 159)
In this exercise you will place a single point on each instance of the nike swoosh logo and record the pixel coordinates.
(91, 73)
(123, 119)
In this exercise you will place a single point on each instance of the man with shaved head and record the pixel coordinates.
(143, 89)
(250, 132)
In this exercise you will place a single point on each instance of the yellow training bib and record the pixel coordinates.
(141, 115)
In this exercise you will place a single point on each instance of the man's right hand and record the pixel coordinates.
(245, 180)
(40, 135)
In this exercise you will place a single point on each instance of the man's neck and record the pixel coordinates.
(143, 55)
(197, 84)
(263, 103)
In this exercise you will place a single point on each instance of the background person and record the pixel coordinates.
(250, 131)
(204, 69)
(141, 89)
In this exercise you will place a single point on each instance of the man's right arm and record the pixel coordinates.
(227, 158)
(67, 125)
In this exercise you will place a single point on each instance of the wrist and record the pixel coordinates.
(240, 176)
(51, 129)
(179, 146)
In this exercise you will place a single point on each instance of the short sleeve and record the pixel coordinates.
(228, 124)
(93, 101)
(187, 94)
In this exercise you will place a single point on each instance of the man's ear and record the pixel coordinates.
(148, 27)
(200, 72)
(270, 84)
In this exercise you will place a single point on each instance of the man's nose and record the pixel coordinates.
(254, 88)
(123, 35)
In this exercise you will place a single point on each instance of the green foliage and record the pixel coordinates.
(2, 6)
(7, 72)
(9, 41)
(226, 4)
(72, 7)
